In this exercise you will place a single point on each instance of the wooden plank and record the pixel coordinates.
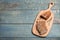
(24, 30)
(18, 16)
(24, 4)
(32, 6)
(27, 16)
(28, 38)
(15, 30)
(38, 1)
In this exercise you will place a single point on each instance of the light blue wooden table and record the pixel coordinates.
(17, 18)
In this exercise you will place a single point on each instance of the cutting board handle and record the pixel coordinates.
(50, 5)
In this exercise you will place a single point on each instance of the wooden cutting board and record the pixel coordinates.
(43, 22)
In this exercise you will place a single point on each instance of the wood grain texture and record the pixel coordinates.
(26, 4)
(17, 18)
(27, 16)
(17, 30)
